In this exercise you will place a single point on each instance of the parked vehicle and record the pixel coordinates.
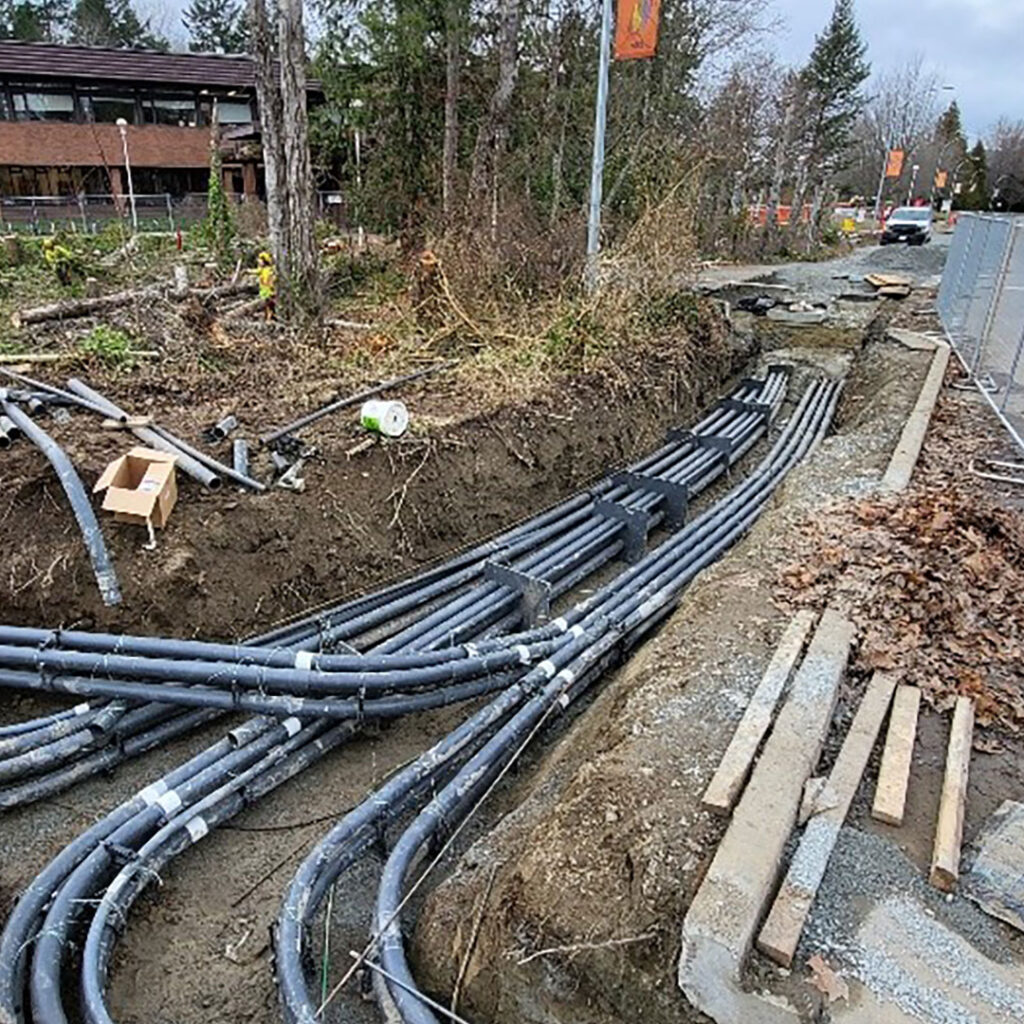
(910, 224)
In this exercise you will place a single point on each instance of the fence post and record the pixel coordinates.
(170, 211)
(958, 293)
(81, 210)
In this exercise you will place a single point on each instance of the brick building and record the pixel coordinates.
(59, 108)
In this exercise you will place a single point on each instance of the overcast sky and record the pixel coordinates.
(975, 45)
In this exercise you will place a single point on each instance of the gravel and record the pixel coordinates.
(869, 885)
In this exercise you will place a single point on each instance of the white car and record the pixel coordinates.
(910, 224)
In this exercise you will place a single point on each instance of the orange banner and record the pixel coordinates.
(941, 177)
(636, 29)
(895, 166)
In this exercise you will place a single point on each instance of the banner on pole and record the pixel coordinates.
(636, 29)
(941, 177)
(894, 168)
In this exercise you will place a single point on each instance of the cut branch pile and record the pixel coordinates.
(935, 581)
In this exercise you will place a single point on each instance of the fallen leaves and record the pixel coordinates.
(826, 980)
(934, 579)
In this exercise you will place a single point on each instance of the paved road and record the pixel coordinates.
(830, 278)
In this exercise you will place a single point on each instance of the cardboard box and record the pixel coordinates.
(141, 487)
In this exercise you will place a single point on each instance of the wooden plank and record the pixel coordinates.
(781, 932)
(734, 767)
(722, 919)
(894, 773)
(904, 458)
(949, 831)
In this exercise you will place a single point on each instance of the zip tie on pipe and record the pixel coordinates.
(197, 827)
(548, 668)
(153, 792)
(169, 803)
(524, 653)
(291, 725)
(304, 660)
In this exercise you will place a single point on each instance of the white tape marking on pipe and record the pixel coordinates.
(153, 792)
(197, 827)
(291, 726)
(304, 660)
(578, 631)
(548, 668)
(564, 701)
(82, 709)
(169, 803)
(567, 676)
(524, 653)
(560, 624)
(471, 650)
(110, 896)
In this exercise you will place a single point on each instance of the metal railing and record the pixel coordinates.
(90, 213)
(981, 305)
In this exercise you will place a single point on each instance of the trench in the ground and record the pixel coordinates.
(190, 930)
(196, 947)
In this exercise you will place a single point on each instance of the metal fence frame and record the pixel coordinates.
(981, 306)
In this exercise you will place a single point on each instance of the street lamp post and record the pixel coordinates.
(597, 166)
(122, 125)
(913, 184)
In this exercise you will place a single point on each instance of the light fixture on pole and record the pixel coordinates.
(122, 126)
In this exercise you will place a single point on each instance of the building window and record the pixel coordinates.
(108, 109)
(44, 106)
(234, 112)
(160, 110)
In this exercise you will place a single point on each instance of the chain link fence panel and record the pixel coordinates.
(981, 305)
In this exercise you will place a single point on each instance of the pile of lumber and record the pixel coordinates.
(891, 286)
(770, 795)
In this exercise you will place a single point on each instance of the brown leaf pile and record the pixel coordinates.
(934, 579)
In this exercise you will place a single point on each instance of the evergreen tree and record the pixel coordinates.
(949, 128)
(34, 21)
(112, 23)
(215, 26)
(975, 179)
(832, 83)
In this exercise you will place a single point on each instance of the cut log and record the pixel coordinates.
(69, 309)
(949, 831)
(732, 772)
(785, 923)
(894, 774)
(722, 920)
(245, 309)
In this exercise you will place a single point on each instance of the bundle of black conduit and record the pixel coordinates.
(441, 637)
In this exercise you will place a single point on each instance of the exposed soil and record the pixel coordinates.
(229, 564)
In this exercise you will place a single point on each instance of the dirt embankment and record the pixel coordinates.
(606, 844)
(231, 563)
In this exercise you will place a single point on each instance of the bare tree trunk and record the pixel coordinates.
(453, 70)
(268, 96)
(300, 278)
(491, 139)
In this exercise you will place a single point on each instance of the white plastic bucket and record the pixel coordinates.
(388, 418)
